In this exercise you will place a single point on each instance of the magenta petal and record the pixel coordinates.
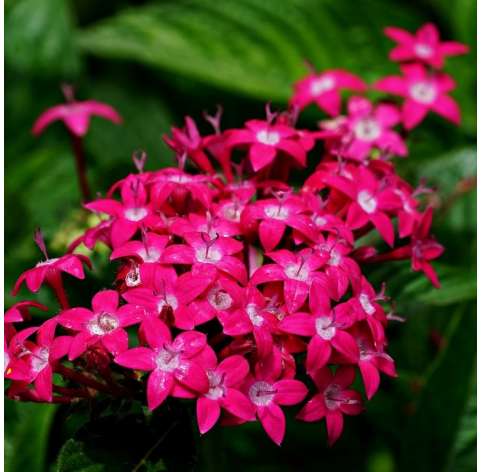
(447, 108)
(370, 377)
(273, 421)
(261, 155)
(159, 386)
(105, 301)
(116, 342)
(270, 233)
(122, 230)
(103, 110)
(47, 117)
(237, 404)
(234, 267)
(156, 332)
(192, 376)
(267, 273)
(208, 412)
(190, 343)
(318, 353)
(346, 345)
(138, 358)
(413, 113)
(235, 369)
(43, 384)
(335, 425)
(60, 347)
(384, 225)
(298, 323)
(80, 344)
(263, 339)
(313, 410)
(295, 294)
(75, 318)
(290, 392)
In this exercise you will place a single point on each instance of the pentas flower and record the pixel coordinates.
(176, 186)
(168, 361)
(224, 392)
(20, 311)
(149, 250)
(326, 328)
(424, 45)
(266, 392)
(76, 116)
(201, 249)
(15, 364)
(275, 215)
(265, 141)
(165, 294)
(408, 213)
(212, 224)
(370, 202)
(372, 360)
(423, 91)
(324, 90)
(295, 270)
(422, 249)
(187, 141)
(131, 214)
(103, 324)
(43, 356)
(333, 400)
(365, 305)
(252, 316)
(369, 127)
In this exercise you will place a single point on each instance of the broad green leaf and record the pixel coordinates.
(256, 48)
(39, 37)
(431, 432)
(27, 439)
(72, 458)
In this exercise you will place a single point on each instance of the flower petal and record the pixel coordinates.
(208, 412)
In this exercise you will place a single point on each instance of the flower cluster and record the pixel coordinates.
(235, 288)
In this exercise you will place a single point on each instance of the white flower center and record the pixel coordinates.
(297, 272)
(252, 311)
(179, 179)
(261, 393)
(320, 221)
(216, 387)
(103, 323)
(152, 255)
(322, 85)
(324, 328)
(167, 360)
(367, 201)
(40, 359)
(423, 92)
(367, 129)
(169, 301)
(335, 258)
(276, 212)
(232, 212)
(219, 299)
(135, 214)
(330, 395)
(132, 279)
(424, 51)
(366, 304)
(210, 254)
(271, 138)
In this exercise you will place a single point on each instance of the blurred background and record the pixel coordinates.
(156, 61)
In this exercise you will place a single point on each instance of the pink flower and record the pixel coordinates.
(201, 250)
(296, 270)
(224, 383)
(76, 116)
(324, 90)
(424, 46)
(333, 400)
(189, 142)
(266, 141)
(370, 202)
(369, 128)
(169, 361)
(133, 213)
(266, 393)
(20, 311)
(167, 294)
(325, 327)
(104, 323)
(212, 225)
(275, 215)
(371, 361)
(422, 92)
(149, 250)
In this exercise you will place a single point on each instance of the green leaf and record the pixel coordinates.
(40, 37)
(431, 432)
(27, 439)
(72, 458)
(256, 48)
